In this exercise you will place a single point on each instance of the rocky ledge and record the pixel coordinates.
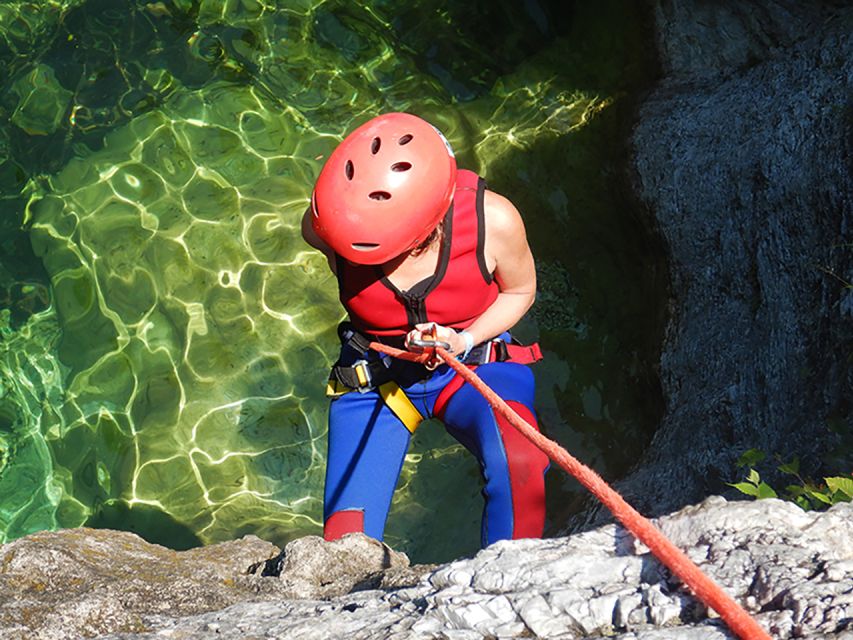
(793, 570)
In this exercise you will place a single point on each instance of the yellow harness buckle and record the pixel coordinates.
(362, 373)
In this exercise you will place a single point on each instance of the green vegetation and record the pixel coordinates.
(806, 492)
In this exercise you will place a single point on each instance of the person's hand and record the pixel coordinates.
(428, 331)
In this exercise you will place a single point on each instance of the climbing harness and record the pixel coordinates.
(708, 591)
(365, 375)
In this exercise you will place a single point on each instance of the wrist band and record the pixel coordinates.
(469, 344)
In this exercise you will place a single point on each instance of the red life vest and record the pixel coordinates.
(459, 291)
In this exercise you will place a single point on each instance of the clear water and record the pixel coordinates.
(164, 333)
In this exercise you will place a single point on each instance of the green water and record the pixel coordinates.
(164, 332)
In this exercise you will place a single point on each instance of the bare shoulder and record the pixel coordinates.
(506, 238)
(502, 217)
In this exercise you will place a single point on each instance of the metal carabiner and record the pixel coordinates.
(429, 342)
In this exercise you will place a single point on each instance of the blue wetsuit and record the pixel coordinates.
(368, 442)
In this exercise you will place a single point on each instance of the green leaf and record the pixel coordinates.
(792, 467)
(765, 491)
(745, 487)
(820, 496)
(753, 477)
(844, 485)
(795, 490)
(839, 497)
(750, 458)
(803, 503)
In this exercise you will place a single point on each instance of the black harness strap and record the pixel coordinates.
(369, 374)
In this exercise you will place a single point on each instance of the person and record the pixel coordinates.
(422, 250)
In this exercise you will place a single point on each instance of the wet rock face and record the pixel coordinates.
(707, 39)
(789, 568)
(742, 155)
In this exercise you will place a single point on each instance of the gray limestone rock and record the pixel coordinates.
(706, 40)
(310, 567)
(792, 570)
(85, 582)
(81, 582)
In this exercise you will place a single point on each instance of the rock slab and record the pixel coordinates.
(793, 570)
(80, 583)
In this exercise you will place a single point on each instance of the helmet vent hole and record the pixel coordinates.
(380, 195)
(349, 170)
(406, 139)
(374, 146)
(401, 166)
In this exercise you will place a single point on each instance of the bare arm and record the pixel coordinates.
(509, 258)
(507, 251)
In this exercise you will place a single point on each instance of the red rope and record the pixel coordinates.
(671, 556)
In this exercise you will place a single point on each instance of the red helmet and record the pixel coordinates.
(384, 189)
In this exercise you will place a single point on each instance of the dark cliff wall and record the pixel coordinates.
(742, 154)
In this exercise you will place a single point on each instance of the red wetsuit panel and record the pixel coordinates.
(343, 522)
(527, 465)
(458, 292)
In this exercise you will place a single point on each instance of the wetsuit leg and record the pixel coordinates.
(367, 445)
(513, 467)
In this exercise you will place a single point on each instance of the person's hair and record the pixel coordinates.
(436, 235)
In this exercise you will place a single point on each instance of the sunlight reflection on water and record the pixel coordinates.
(172, 383)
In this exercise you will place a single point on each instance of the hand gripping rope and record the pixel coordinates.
(708, 591)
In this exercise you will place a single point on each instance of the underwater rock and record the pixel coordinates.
(741, 155)
(789, 568)
(42, 101)
(174, 338)
(26, 25)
